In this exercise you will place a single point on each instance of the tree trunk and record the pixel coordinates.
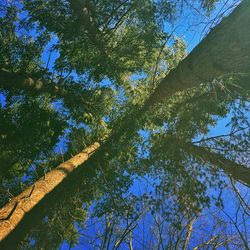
(189, 226)
(19, 81)
(13, 80)
(225, 50)
(236, 171)
(14, 212)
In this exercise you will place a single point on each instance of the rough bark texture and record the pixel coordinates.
(13, 213)
(225, 50)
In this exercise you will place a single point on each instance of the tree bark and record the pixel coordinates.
(236, 171)
(12, 80)
(189, 225)
(19, 81)
(15, 211)
(224, 51)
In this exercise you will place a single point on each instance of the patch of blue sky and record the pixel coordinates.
(120, 96)
(61, 147)
(138, 76)
(141, 150)
(218, 129)
(106, 82)
(223, 125)
(193, 25)
(210, 216)
(2, 99)
(144, 185)
(50, 54)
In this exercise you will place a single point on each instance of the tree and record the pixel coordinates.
(95, 39)
(38, 104)
(29, 131)
(23, 70)
(236, 171)
(216, 56)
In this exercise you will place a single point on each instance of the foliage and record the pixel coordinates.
(107, 57)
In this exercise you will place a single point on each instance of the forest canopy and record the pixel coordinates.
(112, 128)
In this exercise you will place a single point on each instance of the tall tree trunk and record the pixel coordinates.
(189, 226)
(19, 81)
(236, 171)
(225, 50)
(14, 212)
(13, 80)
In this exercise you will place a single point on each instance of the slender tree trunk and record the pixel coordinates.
(19, 81)
(189, 232)
(225, 50)
(236, 171)
(13, 80)
(14, 212)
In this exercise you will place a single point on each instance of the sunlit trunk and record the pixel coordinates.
(189, 232)
(14, 212)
